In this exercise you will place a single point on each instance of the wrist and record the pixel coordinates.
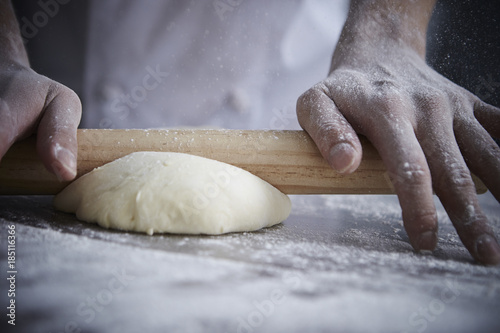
(381, 27)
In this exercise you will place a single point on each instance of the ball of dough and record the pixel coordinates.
(175, 193)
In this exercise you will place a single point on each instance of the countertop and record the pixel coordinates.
(337, 264)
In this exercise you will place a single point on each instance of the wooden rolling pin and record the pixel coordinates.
(289, 160)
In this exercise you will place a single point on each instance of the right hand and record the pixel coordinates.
(32, 103)
(428, 130)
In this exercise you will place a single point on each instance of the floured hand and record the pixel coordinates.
(428, 130)
(32, 103)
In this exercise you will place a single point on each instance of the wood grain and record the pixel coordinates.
(289, 160)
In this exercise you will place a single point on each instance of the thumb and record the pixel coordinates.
(56, 138)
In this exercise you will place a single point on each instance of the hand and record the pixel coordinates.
(31, 103)
(428, 131)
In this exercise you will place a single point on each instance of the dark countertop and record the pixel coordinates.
(338, 264)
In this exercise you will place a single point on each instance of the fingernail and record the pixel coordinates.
(427, 241)
(65, 163)
(487, 250)
(342, 157)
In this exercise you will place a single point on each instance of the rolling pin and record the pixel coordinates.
(289, 160)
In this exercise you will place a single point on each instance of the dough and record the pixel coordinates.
(175, 193)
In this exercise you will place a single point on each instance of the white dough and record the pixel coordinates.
(156, 192)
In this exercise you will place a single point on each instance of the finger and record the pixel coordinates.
(481, 153)
(489, 116)
(410, 176)
(56, 137)
(454, 186)
(332, 134)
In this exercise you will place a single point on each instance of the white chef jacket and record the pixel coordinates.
(171, 63)
(223, 63)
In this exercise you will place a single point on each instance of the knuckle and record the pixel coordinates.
(418, 221)
(52, 91)
(386, 92)
(459, 98)
(429, 98)
(56, 88)
(310, 95)
(490, 155)
(60, 89)
(390, 104)
(66, 95)
(303, 101)
(336, 126)
(455, 176)
(333, 133)
(307, 102)
(464, 121)
(410, 176)
(349, 85)
(387, 96)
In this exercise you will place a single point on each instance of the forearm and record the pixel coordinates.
(11, 42)
(383, 24)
